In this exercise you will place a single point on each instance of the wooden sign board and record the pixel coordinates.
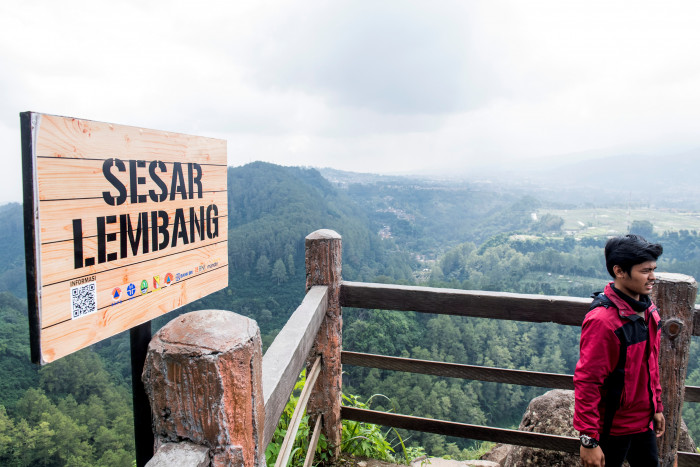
(122, 225)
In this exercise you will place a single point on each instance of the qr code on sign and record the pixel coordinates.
(83, 299)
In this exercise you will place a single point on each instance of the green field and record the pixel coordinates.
(600, 221)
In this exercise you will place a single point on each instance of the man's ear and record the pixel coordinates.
(617, 269)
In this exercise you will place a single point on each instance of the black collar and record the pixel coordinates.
(642, 304)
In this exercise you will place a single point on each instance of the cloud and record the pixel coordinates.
(389, 57)
(386, 86)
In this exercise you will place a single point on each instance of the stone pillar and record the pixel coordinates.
(323, 267)
(203, 378)
(674, 296)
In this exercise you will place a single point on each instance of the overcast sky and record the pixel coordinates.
(368, 86)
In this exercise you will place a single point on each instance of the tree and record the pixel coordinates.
(643, 228)
(290, 264)
(279, 272)
(263, 266)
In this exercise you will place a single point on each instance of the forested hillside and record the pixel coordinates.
(394, 230)
(77, 410)
(428, 216)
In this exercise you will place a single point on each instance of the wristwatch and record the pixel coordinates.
(588, 442)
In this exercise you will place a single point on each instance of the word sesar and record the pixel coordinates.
(156, 169)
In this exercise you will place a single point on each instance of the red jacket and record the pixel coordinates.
(605, 331)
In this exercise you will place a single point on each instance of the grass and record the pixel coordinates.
(589, 222)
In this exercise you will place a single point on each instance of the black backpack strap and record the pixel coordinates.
(615, 381)
(600, 299)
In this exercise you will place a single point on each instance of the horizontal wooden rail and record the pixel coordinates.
(474, 372)
(463, 430)
(687, 459)
(476, 303)
(692, 394)
(456, 370)
(482, 433)
(480, 304)
(285, 358)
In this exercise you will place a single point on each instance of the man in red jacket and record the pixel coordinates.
(618, 409)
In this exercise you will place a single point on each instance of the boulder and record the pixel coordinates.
(553, 413)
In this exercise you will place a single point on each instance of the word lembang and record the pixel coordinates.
(162, 234)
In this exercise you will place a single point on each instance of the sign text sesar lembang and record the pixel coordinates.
(122, 224)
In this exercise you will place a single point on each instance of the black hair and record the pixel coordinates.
(626, 251)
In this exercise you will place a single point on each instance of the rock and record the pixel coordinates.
(685, 442)
(439, 462)
(498, 454)
(553, 413)
(182, 454)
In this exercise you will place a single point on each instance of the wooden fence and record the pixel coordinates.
(192, 421)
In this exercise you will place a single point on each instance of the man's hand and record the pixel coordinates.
(659, 424)
(592, 457)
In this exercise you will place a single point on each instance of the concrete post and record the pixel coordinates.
(323, 267)
(203, 376)
(674, 295)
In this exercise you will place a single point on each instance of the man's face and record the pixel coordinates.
(638, 282)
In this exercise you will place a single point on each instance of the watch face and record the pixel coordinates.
(588, 442)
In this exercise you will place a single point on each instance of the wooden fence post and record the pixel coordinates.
(674, 295)
(323, 267)
(203, 376)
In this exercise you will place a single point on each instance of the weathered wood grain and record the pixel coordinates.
(66, 337)
(58, 262)
(78, 138)
(482, 433)
(299, 409)
(313, 443)
(64, 159)
(287, 354)
(455, 370)
(463, 430)
(56, 306)
(687, 459)
(57, 216)
(692, 394)
(323, 258)
(80, 179)
(482, 304)
(674, 295)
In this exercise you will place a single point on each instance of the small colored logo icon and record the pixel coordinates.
(168, 278)
(156, 282)
(144, 286)
(131, 290)
(116, 293)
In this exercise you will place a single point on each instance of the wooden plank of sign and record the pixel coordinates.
(71, 137)
(84, 179)
(58, 258)
(67, 337)
(56, 297)
(65, 159)
(57, 217)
